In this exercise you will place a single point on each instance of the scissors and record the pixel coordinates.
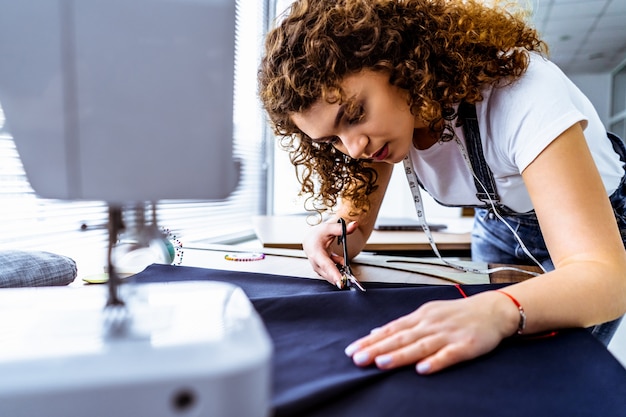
(348, 280)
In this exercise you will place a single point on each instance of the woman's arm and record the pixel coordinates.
(587, 287)
(320, 244)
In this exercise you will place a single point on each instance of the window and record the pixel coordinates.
(618, 102)
(77, 229)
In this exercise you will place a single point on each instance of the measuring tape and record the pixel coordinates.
(412, 179)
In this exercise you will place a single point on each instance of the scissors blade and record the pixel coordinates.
(352, 282)
(357, 284)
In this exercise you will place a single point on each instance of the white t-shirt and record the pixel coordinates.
(517, 122)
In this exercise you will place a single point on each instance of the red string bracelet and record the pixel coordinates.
(522, 315)
(458, 287)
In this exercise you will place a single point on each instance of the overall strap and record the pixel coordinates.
(618, 146)
(467, 117)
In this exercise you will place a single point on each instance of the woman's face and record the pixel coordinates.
(375, 122)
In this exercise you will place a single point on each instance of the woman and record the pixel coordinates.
(355, 86)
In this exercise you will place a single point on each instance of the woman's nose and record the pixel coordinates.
(355, 145)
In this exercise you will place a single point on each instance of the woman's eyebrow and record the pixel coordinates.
(340, 112)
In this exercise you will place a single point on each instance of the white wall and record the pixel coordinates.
(598, 88)
(398, 201)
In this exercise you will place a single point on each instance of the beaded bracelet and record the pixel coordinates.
(522, 315)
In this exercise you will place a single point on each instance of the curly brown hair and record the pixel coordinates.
(441, 51)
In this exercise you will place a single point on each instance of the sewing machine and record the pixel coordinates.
(115, 100)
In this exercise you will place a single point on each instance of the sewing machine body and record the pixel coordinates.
(191, 348)
(127, 102)
(119, 100)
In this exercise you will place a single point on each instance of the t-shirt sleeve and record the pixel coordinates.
(526, 116)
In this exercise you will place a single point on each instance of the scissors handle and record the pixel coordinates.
(343, 240)
(348, 279)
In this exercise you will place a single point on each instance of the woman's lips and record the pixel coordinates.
(381, 154)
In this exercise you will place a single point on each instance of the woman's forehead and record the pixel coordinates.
(350, 88)
(320, 110)
(319, 120)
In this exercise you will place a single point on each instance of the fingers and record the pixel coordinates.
(430, 354)
(445, 357)
(325, 267)
(431, 338)
(319, 247)
(392, 346)
(351, 227)
(395, 352)
(399, 331)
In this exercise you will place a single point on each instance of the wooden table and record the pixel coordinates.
(287, 232)
(292, 262)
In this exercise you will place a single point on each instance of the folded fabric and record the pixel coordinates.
(311, 322)
(35, 269)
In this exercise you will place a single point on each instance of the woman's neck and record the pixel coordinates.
(424, 138)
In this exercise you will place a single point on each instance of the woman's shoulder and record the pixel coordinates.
(542, 79)
(543, 93)
(523, 116)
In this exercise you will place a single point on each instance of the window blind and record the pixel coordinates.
(74, 228)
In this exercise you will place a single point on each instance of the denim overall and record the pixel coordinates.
(493, 242)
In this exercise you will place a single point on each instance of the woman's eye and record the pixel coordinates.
(357, 116)
(330, 140)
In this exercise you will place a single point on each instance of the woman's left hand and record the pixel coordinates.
(439, 334)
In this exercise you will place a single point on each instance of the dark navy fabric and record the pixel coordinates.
(311, 322)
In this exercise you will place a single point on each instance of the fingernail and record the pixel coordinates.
(338, 284)
(375, 330)
(383, 361)
(423, 367)
(360, 358)
(349, 351)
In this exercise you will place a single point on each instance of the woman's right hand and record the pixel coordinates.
(324, 253)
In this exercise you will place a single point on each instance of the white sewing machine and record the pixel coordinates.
(103, 98)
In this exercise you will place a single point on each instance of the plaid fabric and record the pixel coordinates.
(35, 269)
